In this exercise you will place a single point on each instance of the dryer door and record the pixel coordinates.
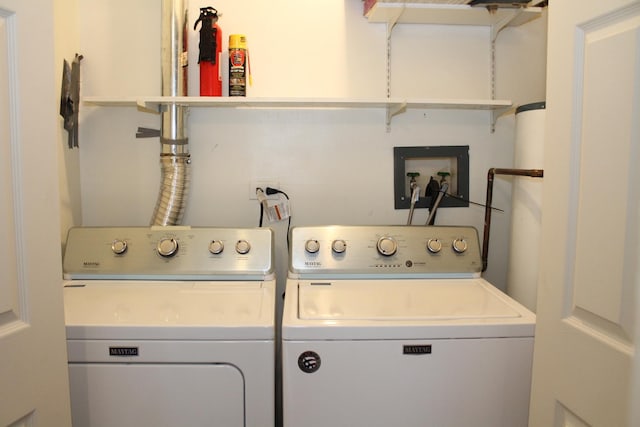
(118, 394)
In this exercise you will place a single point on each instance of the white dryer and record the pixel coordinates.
(170, 326)
(393, 325)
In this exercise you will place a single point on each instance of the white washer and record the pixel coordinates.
(170, 326)
(393, 325)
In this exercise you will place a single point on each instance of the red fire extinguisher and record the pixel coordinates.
(210, 52)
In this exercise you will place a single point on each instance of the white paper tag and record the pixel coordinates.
(279, 211)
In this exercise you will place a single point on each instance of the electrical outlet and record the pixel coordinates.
(262, 183)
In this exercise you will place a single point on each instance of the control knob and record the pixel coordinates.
(339, 246)
(216, 247)
(312, 246)
(119, 246)
(460, 245)
(243, 247)
(387, 246)
(167, 247)
(434, 246)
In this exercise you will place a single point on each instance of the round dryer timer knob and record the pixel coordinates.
(387, 246)
(312, 246)
(243, 247)
(167, 247)
(339, 246)
(216, 247)
(460, 245)
(119, 246)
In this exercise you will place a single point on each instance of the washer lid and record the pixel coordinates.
(399, 300)
(167, 310)
(439, 308)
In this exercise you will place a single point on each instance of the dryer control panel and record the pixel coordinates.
(169, 253)
(384, 251)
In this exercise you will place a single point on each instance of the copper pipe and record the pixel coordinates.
(534, 173)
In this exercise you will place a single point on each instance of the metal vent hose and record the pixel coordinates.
(174, 190)
(174, 158)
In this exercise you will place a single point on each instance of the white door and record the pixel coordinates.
(587, 297)
(33, 372)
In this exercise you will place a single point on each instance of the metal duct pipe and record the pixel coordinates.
(174, 158)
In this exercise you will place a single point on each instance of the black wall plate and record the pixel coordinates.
(424, 158)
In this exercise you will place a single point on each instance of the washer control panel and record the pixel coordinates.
(169, 253)
(417, 251)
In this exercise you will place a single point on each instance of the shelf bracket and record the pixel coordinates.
(393, 20)
(391, 23)
(495, 30)
(496, 114)
(147, 107)
(393, 109)
(503, 23)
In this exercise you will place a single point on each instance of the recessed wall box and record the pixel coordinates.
(448, 162)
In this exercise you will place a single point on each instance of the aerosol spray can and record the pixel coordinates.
(238, 65)
(210, 52)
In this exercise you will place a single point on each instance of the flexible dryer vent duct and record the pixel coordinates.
(174, 158)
